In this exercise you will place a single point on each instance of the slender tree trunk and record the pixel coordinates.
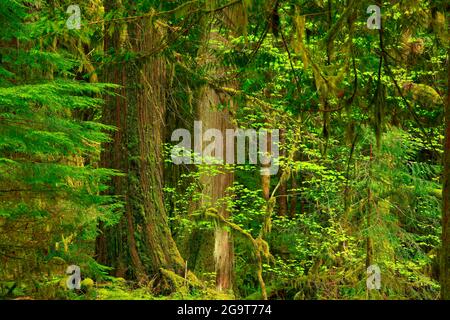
(294, 195)
(265, 184)
(369, 241)
(282, 199)
(143, 233)
(283, 189)
(265, 175)
(445, 250)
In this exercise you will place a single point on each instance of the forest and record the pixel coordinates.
(224, 150)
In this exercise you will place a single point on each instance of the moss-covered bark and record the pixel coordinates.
(445, 252)
(142, 239)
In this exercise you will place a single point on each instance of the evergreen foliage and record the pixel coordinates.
(87, 178)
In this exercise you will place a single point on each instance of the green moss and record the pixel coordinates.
(87, 284)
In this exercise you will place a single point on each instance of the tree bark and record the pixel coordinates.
(293, 202)
(445, 250)
(142, 239)
(214, 187)
(283, 189)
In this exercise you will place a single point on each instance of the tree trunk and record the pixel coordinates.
(294, 195)
(214, 186)
(265, 175)
(283, 189)
(142, 239)
(445, 251)
(116, 247)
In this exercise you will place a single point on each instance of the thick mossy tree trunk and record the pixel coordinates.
(141, 244)
(445, 251)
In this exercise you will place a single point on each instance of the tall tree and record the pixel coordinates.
(445, 253)
(215, 110)
(214, 186)
(142, 240)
